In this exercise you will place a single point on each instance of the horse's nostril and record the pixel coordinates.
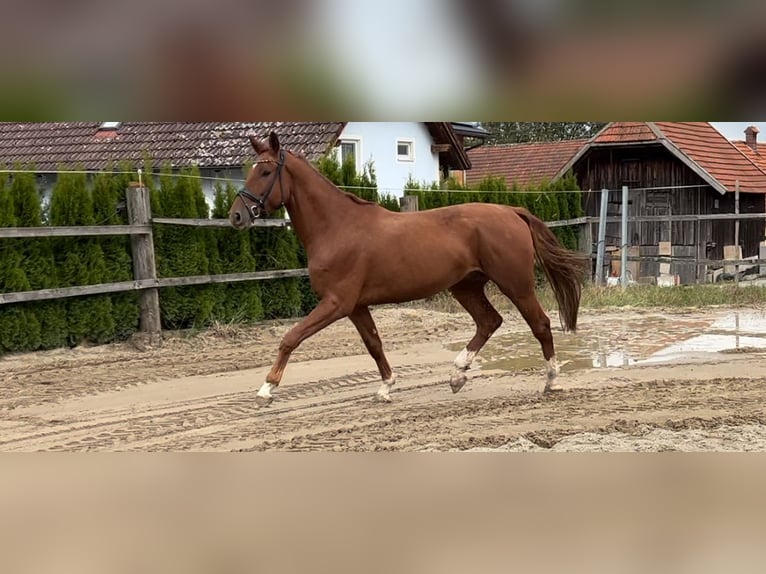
(237, 217)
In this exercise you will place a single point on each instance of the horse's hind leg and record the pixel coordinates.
(540, 324)
(364, 323)
(470, 294)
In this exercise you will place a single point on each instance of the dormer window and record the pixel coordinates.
(108, 130)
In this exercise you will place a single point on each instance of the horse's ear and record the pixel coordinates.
(274, 142)
(258, 145)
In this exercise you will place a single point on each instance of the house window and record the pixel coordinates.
(405, 150)
(350, 150)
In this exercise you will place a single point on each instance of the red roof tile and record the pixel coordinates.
(625, 132)
(525, 164)
(709, 149)
(757, 157)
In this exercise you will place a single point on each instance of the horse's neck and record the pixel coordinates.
(317, 208)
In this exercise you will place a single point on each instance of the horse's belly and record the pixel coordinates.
(416, 280)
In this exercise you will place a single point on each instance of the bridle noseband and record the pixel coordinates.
(259, 203)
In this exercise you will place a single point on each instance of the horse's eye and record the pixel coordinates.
(266, 173)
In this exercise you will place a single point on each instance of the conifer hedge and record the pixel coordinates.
(241, 302)
(19, 327)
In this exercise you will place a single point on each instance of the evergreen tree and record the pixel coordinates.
(390, 202)
(241, 301)
(19, 327)
(282, 298)
(109, 190)
(493, 190)
(38, 261)
(184, 251)
(345, 176)
(80, 262)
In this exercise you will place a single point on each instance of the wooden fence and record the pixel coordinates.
(698, 262)
(145, 280)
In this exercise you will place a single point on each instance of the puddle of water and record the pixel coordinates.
(630, 341)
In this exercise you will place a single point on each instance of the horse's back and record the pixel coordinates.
(489, 218)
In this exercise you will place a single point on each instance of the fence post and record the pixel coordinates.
(144, 268)
(585, 239)
(601, 237)
(409, 203)
(736, 232)
(624, 238)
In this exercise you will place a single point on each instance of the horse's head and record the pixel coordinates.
(266, 188)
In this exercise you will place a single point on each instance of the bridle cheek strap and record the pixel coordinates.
(259, 203)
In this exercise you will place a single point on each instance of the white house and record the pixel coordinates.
(400, 151)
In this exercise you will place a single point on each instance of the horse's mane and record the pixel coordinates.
(355, 198)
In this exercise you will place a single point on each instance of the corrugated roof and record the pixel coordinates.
(525, 163)
(48, 145)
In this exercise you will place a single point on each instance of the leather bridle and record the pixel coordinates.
(258, 206)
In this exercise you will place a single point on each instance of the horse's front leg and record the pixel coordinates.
(327, 312)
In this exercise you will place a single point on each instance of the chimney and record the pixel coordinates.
(751, 137)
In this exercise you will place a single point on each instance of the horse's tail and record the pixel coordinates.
(564, 269)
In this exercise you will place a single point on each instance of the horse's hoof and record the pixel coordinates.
(457, 382)
(554, 388)
(383, 399)
(263, 401)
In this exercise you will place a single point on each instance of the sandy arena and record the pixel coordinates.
(635, 380)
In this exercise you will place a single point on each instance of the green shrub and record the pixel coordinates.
(19, 326)
(241, 302)
(80, 261)
(185, 251)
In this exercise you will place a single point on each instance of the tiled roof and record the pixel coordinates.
(703, 148)
(625, 132)
(757, 157)
(709, 149)
(525, 164)
(47, 145)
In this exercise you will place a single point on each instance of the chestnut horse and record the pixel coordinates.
(361, 254)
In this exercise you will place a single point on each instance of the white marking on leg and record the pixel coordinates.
(551, 375)
(385, 389)
(464, 359)
(265, 392)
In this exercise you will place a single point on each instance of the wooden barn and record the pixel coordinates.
(672, 169)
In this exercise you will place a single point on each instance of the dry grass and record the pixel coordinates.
(643, 296)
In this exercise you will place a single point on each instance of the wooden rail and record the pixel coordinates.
(218, 222)
(84, 231)
(144, 284)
